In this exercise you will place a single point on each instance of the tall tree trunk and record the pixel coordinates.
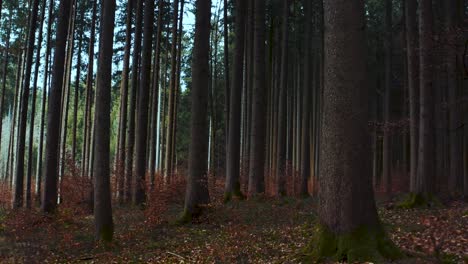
(49, 196)
(258, 129)
(33, 109)
(133, 99)
(386, 156)
(102, 191)
(413, 88)
(197, 180)
(347, 212)
(124, 105)
(172, 93)
(426, 166)
(6, 55)
(227, 77)
(88, 98)
(19, 177)
(455, 142)
(45, 89)
(234, 137)
(282, 115)
(143, 103)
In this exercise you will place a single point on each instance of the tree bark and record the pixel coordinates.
(347, 213)
(258, 129)
(49, 196)
(102, 191)
(234, 137)
(386, 156)
(197, 180)
(143, 103)
(129, 179)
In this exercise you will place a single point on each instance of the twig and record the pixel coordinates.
(174, 254)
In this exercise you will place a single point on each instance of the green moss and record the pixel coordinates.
(419, 200)
(106, 233)
(236, 192)
(362, 244)
(184, 218)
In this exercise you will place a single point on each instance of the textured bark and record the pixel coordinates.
(386, 156)
(102, 191)
(121, 152)
(282, 114)
(19, 174)
(426, 164)
(129, 179)
(234, 137)
(413, 88)
(347, 211)
(258, 129)
(143, 104)
(49, 196)
(33, 108)
(172, 95)
(45, 89)
(155, 101)
(197, 180)
(455, 139)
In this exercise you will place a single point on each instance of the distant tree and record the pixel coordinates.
(19, 173)
(197, 180)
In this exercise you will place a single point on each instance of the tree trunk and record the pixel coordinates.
(172, 93)
(227, 77)
(123, 105)
(258, 129)
(129, 179)
(33, 109)
(49, 196)
(234, 137)
(386, 156)
(6, 54)
(347, 212)
(413, 88)
(143, 103)
(426, 166)
(197, 180)
(282, 114)
(19, 177)
(75, 102)
(102, 192)
(45, 89)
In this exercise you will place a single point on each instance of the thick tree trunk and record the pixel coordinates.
(143, 103)
(19, 175)
(102, 192)
(49, 196)
(258, 128)
(197, 180)
(234, 137)
(347, 212)
(129, 179)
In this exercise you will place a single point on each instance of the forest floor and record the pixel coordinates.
(256, 231)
